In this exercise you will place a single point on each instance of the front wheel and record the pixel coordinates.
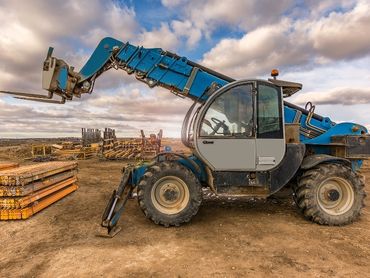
(330, 194)
(169, 194)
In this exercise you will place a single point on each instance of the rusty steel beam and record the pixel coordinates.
(18, 191)
(23, 175)
(22, 202)
(14, 214)
(7, 165)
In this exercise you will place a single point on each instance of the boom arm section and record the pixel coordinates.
(153, 66)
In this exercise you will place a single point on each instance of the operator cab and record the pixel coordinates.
(240, 127)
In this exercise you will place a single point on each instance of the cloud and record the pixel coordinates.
(245, 14)
(201, 18)
(294, 43)
(172, 3)
(116, 21)
(140, 102)
(206, 16)
(343, 96)
(343, 35)
(259, 51)
(188, 30)
(319, 8)
(130, 109)
(162, 37)
(28, 28)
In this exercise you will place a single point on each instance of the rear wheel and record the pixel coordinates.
(330, 194)
(169, 194)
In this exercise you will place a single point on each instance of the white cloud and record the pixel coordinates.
(188, 30)
(291, 43)
(28, 28)
(198, 18)
(345, 96)
(259, 51)
(343, 35)
(161, 37)
(207, 15)
(172, 3)
(118, 22)
(318, 8)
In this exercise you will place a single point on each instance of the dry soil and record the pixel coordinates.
(228, 238)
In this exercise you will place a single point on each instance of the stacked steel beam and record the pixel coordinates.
(5, 165)
(26, 190)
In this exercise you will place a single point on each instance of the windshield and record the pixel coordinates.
(230, 114)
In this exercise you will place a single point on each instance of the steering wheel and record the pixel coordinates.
(218, 125)
(248, 127)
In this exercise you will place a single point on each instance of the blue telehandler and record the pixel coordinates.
(246, 140)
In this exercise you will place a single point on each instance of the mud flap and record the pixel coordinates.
(116, 204)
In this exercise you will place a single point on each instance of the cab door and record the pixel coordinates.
(226, 128)
(270, 142)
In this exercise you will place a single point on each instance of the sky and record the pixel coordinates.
(325, 45)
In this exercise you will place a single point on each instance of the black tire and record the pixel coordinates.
(330, 194)
(155, 208)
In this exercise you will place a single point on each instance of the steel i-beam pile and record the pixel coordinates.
(4, 165)
(26, 190)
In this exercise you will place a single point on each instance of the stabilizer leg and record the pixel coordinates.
(116, 204)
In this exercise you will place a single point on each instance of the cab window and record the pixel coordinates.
(269, 124)
(230, 114)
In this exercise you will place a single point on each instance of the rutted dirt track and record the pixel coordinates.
(225, 239)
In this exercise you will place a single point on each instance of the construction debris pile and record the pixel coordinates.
(70, 150)
(86, 147)
(134, 148)
(41, 151)
(25, 190)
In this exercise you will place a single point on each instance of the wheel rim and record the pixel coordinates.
(335, 196)
(170, 195)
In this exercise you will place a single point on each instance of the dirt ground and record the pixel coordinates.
(226, 239)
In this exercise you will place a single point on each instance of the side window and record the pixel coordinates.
(269, 124)
(230, 114)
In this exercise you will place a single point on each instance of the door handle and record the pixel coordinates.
(207, 142)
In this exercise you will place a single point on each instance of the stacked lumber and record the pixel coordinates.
(78, 153)
(41, 150)
(131, 148)
(126, 149)
(28, 189)
(4, 165)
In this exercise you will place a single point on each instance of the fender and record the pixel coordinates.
(315, 159)
(288, 167)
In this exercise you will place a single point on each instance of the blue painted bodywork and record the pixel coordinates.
(160, 68)
(200, 173)
(63, 78)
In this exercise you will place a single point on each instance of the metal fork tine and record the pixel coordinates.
(27, 95)
(62, 101)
